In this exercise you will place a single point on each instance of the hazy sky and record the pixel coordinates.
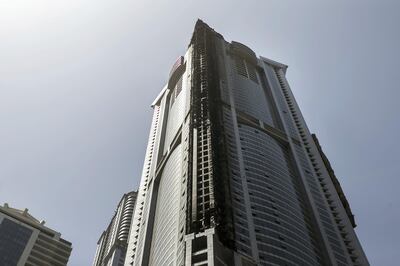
(77, 79)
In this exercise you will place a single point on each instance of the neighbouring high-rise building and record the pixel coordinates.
(232, 175)
(24, 240)
(112, 244)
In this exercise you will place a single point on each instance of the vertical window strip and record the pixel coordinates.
(240, 66)
(178, 87)
(251, 70)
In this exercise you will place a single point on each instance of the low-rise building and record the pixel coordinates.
(24, 240)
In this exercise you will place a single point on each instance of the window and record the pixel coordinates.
(172, 98)
(178, 87)
(13, 239)
(246, 69)
(175, 91)
(252, 72)
(240, 67)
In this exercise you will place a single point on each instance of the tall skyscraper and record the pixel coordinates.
(112, 244)
(232, 175)
(24, 240)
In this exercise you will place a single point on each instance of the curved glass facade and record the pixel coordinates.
(165, 230)
(176, 110)
(276, 205)
(248, 94)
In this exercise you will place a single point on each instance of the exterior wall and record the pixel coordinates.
(48, 250)
(138, 226)
(292, 182)
(16, 241)
(176, 111)
(271, 219)
(335, 225)
(163, 177)
(166, 221)
(246, 88)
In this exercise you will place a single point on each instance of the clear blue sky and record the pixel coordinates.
(77, 79)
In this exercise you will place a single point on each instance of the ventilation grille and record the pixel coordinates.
(175, 92)
(252, 73)
(246, 69)
(240, 67)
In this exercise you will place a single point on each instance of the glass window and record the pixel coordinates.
(13, 239)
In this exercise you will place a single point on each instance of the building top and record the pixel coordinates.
(274, 63)
(110, 225)
(25, 217)
(236, 47)
(159, 96)
(244, 50)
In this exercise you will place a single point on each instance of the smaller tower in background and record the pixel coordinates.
(24, 240)
(111, 247)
